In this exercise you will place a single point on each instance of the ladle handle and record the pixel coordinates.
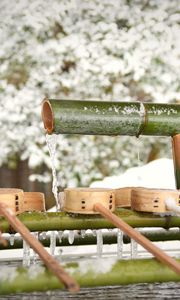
(176, 158)
(138, 237)
(49, 260)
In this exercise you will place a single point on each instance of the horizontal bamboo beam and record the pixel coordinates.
(110, 118)
(37, 221)
(160, 235)
(88, 274)
(91, 239)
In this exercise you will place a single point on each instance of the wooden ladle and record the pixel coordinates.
(102, 201)
(49, 260)
(138, 237)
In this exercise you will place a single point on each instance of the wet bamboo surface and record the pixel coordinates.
(94, 273)
(110, 118)
(170, 290)
(37, 221)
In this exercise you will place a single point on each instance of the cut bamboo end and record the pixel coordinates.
(123, 197)
(47, 116)
(82, 200)
(13, 198)
(153, 200)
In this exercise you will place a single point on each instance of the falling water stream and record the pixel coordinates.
(52, 143)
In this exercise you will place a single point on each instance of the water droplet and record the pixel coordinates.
(11, 239)
(60, 234)
(83, 233)
(43, 235)
(71, 237)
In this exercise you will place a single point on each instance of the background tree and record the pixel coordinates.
(107, 50)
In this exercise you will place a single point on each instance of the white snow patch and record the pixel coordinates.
(35, 270)
(8, 273)
(171, 205)
(156, 174)
(97, 266)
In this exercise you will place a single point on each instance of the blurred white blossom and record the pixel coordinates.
(110, 50)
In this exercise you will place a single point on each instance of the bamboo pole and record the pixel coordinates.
(135, 235)
(110, 118)
(122, 272)
(160, 235)
(49, 260)
(90, 239)
(44, 221)
(176, 158)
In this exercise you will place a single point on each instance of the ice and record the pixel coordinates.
(51, 143)
(99, 242)
(83, 233)
(11, 239)
(52, 242)
(26, 254)
(134, 249)
(60, 234)
(94, 232)
(43, 235)
(35, 256)
(71, 237)
(119, 244)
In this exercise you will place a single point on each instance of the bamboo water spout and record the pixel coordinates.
(110, 118)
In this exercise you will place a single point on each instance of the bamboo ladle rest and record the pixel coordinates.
(49, 260)
(102, 201)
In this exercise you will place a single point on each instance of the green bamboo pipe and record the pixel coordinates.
(44, 221)
(90, 239)
(88, 274)
(110, 118)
